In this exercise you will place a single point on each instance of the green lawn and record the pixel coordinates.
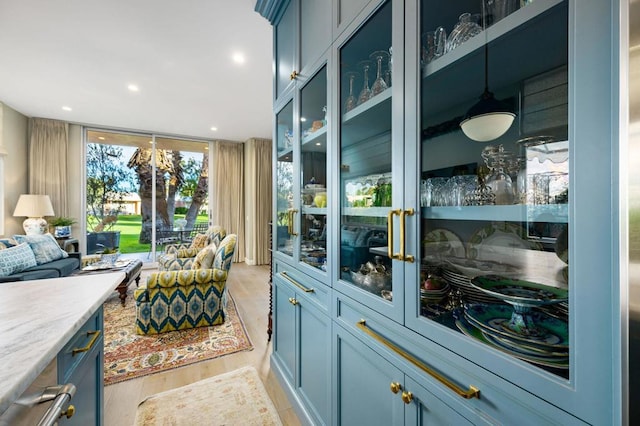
(129, 227)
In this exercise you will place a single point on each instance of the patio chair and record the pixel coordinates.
(182, 299)
(181, 256)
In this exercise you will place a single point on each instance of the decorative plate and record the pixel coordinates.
(519, 292)
(497, 241)
(469, 330)
(490, 319)
(441, 243)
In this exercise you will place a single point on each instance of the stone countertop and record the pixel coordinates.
(37, 318)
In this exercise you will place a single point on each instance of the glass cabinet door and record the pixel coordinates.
(366, 155)
(494, 202)
(285, 181)
(313, 171)
(285, 48)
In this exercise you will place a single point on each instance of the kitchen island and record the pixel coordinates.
(38, 319)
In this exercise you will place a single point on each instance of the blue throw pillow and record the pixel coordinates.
(16, 259)
(7, 242)
(45, 248)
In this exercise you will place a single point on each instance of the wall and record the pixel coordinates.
(13, 137)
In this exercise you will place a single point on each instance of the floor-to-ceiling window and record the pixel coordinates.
(144, 191)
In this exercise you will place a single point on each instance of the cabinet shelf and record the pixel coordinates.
(316, 141)
(314, 210)
(515, 45)
(369, 119)
(366, 211)
(551, 213)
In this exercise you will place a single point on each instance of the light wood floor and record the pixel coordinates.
(249, 286)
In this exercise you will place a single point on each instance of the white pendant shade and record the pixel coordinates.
(487, 127)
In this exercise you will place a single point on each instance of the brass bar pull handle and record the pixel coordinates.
(87, 348)
(293, 212)
(407, 397)
(472, 392)
(293, 301)
(289, 230)
(407, 258)
(296, 283)
(390, 252)
(395, 387)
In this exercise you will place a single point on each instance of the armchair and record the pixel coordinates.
(181, 256)
(181, 299)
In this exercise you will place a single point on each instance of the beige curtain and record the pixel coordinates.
(258, 200)
(48, 147)
(228, 191)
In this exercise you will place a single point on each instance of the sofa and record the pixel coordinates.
(35, 257)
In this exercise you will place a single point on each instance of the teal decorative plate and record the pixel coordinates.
(519, 292)
(493, 319)
(469, 330)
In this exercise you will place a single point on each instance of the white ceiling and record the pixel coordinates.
(84, 53)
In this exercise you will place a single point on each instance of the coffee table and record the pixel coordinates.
(131, 269)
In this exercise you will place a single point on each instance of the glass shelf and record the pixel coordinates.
(552, 213)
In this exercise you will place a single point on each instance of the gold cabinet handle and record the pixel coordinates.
(294, 75)
(95, 335)
(407, 397)
(293, 301)
(407, 258)
(395, 387)
(390, 252)
(296, 283)
(472, 392)
(293, 212)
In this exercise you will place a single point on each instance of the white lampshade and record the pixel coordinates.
(34, 207)
(487, 127)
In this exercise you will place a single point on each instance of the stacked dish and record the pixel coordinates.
(434, 296)
(459, 272)
(518, 329)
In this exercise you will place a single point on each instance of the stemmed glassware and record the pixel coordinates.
(351, 101)
(387, 73)
(365, 93)
(379, 85)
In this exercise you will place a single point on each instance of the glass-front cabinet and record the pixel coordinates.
(494, 201)
(301, 174)
(369, 150)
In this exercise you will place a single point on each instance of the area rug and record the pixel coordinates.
(128, 355)
(234, 398)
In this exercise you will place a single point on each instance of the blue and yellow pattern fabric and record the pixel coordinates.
(181, 256)
(176, 300)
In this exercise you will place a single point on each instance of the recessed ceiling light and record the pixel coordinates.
(133, 88)
(206, 148)
(101, 138)
(303, 119)
(215, 129)
(66, 108)
(318, 143)
(238, 58)
(150, 141)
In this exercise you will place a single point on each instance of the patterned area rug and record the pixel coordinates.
(128, 355)
(234, 398)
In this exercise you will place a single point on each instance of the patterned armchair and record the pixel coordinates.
(181, 256)
(177, 300)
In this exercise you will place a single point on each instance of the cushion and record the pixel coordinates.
(204, 258)
(16, 259)
(349, 235)
(45, 248)
(200, 241)
(188, 252)
(7, 242)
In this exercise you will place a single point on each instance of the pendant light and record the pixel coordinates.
(489, 118)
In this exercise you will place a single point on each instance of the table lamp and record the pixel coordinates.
(34, 207)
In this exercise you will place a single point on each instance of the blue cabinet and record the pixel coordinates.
(302, 342)
(481, 264)
(81, 362)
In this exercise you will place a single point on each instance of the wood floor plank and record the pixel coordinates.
(249, 286)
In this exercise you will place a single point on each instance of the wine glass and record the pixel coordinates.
(379, 85)
(387, 73)
(365, 93)
(351, 101)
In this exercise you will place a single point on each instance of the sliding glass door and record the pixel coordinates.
(144, 191)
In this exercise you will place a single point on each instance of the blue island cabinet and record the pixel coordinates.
(81, 362)
(457, 208)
